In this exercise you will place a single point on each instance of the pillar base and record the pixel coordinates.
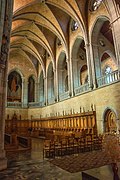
(3, 164)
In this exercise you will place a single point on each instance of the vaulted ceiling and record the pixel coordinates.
(37, 24)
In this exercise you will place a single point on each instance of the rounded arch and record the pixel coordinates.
(62, 68)
(98, 23)
(33, 76)
(108, 60)
(61, 59)
(101, 37)
(61, 55)
(78, 55)
(76, 44)
(110, 120)
(110, 54)
(18, 71)
(14, 86)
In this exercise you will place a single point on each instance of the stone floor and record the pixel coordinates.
(32, 166)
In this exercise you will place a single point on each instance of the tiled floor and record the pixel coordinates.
(32, 166)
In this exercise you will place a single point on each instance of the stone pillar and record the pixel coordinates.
(71, 76)
(37, 92)
(25, 93)
(57, 85)
(76, 74)
(89, 66)
(6, 21)
(60, 81)
(45, 91)
(95, 63)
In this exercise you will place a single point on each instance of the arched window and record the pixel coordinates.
(14, 91)
(108, 70)
(74, 26)
(96, 4)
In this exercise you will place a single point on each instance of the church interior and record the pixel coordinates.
(60, 89)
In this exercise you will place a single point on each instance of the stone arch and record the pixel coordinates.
(18, 71)
(62, 68)
(78, 55)
(101, 39)
(108, 60)
(110, 120)
(14, 88)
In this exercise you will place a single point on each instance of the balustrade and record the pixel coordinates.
(82, 89)
(108, 79)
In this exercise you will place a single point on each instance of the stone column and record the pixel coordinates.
(57, 85)
(76, 80)
(37, 92)
(45, 91)
(89, 66)
(5, 21)
(71, 76)
(95, 62)
(25, 93)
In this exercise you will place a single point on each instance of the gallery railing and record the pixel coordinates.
(14, 104)
(109, 78)
(64, 96)
(51, 100)
(81, 89)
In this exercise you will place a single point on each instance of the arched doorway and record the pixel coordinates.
(110, 124)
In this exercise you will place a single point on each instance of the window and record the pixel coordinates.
(96, 4)
(74, 26)
(108, 70)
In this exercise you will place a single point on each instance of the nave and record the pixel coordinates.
(31, 165)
